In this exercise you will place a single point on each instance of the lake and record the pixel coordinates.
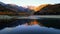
(33, 26)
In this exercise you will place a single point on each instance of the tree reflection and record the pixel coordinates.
(13, 22)
(50, 22)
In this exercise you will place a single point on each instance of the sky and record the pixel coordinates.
(30, 2)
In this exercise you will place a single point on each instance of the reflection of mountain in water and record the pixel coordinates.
(13, 22)
(48, 22)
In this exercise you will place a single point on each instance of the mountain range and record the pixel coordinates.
(14, 9)
(44, 9)
(48, 9)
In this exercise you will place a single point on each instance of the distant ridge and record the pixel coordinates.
(40, 7)
(48, 9)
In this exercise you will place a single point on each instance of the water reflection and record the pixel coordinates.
(13, 22)
(34, 29)
(50, 22)
(50, 25)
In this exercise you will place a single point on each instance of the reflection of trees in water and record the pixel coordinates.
(48, 22)
(5, 23)
(13, 22)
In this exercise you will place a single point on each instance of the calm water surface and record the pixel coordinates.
(38, 27)
(30, 29)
